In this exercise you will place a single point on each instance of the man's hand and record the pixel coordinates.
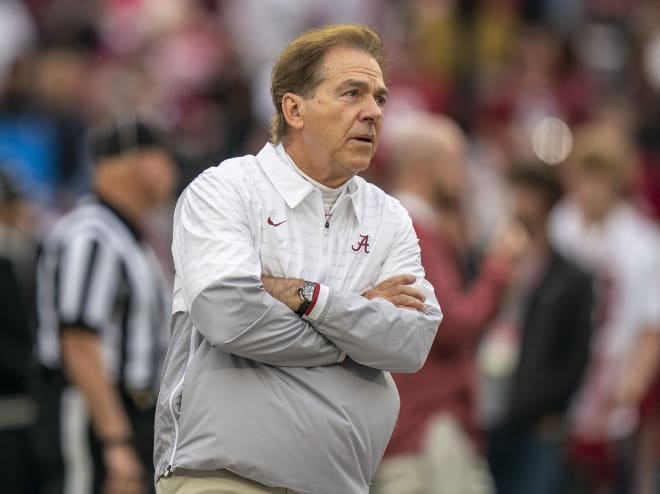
(83, 363)
(398, 291)
(124, 472)
(284, 289)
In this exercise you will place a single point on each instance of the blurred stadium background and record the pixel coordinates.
(202, 69)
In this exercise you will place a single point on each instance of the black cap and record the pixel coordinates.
(124, 134)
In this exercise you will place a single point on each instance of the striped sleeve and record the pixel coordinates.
(88, 277)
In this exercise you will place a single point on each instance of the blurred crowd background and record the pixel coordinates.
(202, 68)
(518, 76)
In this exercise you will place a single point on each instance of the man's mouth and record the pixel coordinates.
(365, 138)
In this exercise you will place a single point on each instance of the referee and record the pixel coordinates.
(103, 307)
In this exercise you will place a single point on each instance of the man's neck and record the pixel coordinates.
(598, 218)
(311, 168)
(124, 201)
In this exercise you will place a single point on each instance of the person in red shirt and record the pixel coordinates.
(434, 448)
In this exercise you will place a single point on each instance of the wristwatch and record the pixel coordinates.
(306, 292)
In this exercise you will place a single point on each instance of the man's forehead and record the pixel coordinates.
(350, 63)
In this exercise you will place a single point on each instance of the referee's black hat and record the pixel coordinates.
(124, 134)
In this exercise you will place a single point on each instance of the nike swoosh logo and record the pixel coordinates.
(270, 222)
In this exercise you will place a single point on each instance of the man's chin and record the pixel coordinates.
(359, 163)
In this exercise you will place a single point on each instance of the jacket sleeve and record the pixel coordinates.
(376, 333)
(218, 264)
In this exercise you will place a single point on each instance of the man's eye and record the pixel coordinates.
(352, 93)
(381, 100)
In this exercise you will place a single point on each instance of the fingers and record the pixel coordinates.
(407, 302)
(124, 485)
(402, 295)
(401, 279)
(390, 286)
(124, 472)
(411, 292)
(394, 291)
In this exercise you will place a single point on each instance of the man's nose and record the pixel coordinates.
(372, 110)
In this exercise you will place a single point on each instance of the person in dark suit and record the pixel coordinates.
(547, 321)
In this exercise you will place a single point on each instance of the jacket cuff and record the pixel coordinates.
(316, 308)
(318, 303)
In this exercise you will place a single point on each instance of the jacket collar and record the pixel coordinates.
(291, 185)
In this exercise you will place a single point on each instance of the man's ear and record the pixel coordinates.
(292, 108)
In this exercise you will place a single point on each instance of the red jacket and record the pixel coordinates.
(447, 381)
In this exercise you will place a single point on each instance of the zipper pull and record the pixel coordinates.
(168, 471)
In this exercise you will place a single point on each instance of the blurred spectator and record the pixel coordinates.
(39, 129)
(17, 408)
(434, 448)
(542, 80)
(647, 97)
(599, 228)
(534, 355)
(539, 78)
(103, 307)
(18, 34)
(17, 366)
(39, 94)
(18, 243)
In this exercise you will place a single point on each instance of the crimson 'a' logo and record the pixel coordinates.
(363, 243)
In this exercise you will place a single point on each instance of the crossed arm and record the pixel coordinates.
(237, 310)
(396, 290)
(383, 328)
(388, 327)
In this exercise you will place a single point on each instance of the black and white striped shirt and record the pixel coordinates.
(95, 272)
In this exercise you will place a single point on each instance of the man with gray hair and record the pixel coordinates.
(298, 288)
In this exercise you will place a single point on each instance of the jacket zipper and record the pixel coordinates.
(168, 470)
(327, 251)
(191, 350)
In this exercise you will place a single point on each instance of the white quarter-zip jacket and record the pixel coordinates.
(248, 386)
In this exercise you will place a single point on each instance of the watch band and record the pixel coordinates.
(303, 308)
(308, 293)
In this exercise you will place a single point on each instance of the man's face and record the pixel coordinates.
(595, 194)
(529, 206)
(157, 174)
(343, 117)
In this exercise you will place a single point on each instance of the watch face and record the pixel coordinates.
(307, 291)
